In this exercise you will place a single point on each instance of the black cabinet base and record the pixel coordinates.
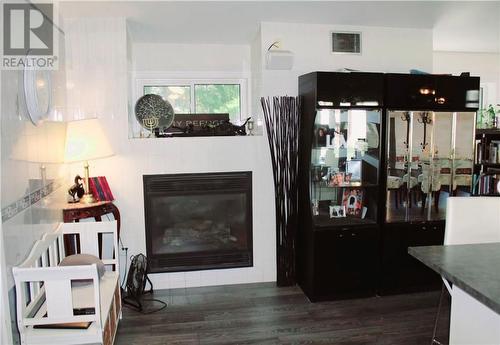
(342, 264)
(400, 272)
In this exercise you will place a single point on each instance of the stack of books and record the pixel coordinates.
(487, 153)
(99, 187)
(487, 184)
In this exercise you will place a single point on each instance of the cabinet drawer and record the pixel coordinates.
(425, 235)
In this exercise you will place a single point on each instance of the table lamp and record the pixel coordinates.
(85, 140)
(43, 144)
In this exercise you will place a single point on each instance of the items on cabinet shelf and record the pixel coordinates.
(337, 211)
(487, 163)
(487, 183)
(353, 201)
(487, 152)
(340, 178)
(494, 148)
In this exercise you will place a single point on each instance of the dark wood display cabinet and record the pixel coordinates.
(379, 154)
(339, 183)
(428, 158)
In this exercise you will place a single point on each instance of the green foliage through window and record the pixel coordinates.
(178, 96)
(208, 98)
(218, 98)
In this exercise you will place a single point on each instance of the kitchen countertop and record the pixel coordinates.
(474, 268)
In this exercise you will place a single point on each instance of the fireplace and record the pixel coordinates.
(198, 221)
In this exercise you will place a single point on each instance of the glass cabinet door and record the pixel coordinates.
(463, 155)
(437, 167)
(399, 128)
(429, 158)
(345, 158)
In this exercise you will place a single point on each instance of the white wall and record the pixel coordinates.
(5, 325)
(24, 147)
(484, 65)
(190, 57)
(383, 50)
(256, 72)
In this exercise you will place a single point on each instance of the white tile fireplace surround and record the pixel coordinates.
(140, 157)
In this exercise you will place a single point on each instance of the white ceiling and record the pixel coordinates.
(458, 26)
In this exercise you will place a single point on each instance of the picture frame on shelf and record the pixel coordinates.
(337, 179)
(321, 136)
(353, 201)
(354, 167)
(337, 211)
(319, 173)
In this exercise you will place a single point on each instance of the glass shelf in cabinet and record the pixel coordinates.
(323, 184)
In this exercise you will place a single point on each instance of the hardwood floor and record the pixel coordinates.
(264, 314)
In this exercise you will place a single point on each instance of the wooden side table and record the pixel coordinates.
(76, 211)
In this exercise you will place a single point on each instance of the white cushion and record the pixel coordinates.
(84, 259)
(472, 220)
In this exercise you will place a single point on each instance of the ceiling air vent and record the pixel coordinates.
(346, 42)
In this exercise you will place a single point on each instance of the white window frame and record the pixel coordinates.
(141, 83)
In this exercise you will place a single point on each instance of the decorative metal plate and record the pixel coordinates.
(152, 111)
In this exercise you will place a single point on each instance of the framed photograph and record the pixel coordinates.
(354, 167)
(319, 173)
(337, 211)
(337, 179)
(321, 133)
(353, 201)
(346, 42)
(348, 178)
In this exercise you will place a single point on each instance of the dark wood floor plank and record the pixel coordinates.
(264, 314)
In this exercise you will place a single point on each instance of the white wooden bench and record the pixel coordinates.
(45, 295)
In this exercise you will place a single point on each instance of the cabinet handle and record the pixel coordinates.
(424, 228)
(353, 234)
(340, 236)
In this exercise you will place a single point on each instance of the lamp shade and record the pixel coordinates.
(41, 144)
(85, 140)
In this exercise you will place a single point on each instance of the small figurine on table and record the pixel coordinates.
(76, 191)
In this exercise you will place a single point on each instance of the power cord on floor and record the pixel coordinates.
(146, 312)
(122, 285)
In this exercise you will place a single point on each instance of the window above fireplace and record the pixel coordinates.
(195, 98)
(204, 95)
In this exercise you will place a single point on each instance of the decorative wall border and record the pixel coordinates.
(32, 198)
